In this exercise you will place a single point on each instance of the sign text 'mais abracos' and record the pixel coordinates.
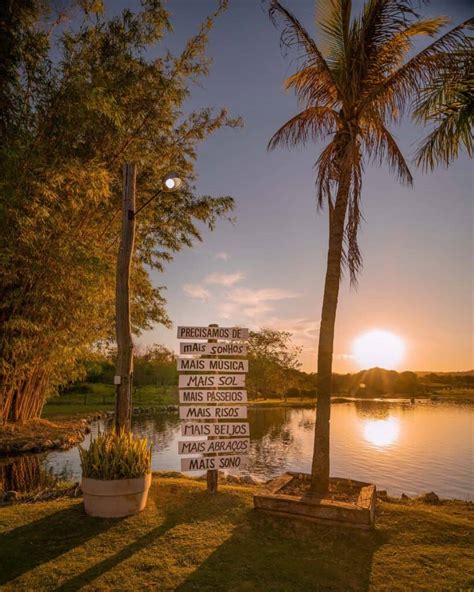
(200, 365)
(213, 333)
(229, 429)
(213, 349)
(211, 380)
(218, 412)
(226, 446)
(203, 396)
(213, 463)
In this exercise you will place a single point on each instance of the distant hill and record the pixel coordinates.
(465, 373)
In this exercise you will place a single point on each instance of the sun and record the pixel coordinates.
(378, 348)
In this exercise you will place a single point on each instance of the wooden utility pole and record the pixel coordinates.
(124, 370)
(212, 474)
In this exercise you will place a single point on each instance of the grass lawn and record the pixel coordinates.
(100, 397)
(188, 540)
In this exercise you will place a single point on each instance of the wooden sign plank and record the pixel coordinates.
(231, 333)
(218, 412)
(213, 349)
(211, 380)
(205, 396)
(212, 463)
(204, 365)
(241, 445)
(227, 429)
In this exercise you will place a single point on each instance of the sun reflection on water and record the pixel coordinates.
(381, 432)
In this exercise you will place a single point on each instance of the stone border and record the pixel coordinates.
(325, 511)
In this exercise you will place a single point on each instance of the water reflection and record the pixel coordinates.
(381, 432)
(400, 447)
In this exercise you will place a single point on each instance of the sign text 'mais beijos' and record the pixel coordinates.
(213, 396)
(204, 365)
(211, 380)
(230, 429)
(230, 333)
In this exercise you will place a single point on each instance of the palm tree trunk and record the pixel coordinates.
(320, 465)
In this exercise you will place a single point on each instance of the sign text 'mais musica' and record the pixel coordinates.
(229, 429)
(213, 349)
(213, 333)
(213, 463)
(218, 412)
(203, 396)
(211, 380)
(200, 365)
(226, 446)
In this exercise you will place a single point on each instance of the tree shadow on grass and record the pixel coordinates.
(284, 555)
(37, 542)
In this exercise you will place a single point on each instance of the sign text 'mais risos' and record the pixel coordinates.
(230, 333)
(217, 412)
(213, 396)
(204, 365)
(211, 381)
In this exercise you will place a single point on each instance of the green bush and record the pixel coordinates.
(116, 456)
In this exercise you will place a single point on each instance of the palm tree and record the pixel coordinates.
(448, 102)
(352, 83)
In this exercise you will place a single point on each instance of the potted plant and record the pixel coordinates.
(116, 475)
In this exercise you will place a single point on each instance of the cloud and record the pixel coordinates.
(303, 330)
(222, 256)
(224, 279)
(344, 357)
(252, 304)
(196, 291)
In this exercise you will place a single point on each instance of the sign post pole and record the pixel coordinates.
(212, 475)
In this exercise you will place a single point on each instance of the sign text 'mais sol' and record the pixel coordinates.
(211, 463)
(211, 380)
(230, 333)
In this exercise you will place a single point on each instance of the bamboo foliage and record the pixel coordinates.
(66, 126)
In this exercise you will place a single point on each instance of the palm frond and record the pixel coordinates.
(311, 124)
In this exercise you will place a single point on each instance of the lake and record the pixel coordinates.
(401, 447)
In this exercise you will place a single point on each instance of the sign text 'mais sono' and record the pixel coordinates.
(210, 463)
(204, 365)
(230, 333)
(211, 380)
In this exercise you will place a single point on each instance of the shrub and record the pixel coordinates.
(116, 456)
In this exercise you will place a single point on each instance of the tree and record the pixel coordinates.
(352, 82)
(68, 124)
(447, 102)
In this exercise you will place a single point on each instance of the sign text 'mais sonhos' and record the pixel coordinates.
(213, 333)
(202, 348)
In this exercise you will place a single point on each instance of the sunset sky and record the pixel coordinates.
(267, 269)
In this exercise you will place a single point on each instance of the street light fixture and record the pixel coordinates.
(124, 369)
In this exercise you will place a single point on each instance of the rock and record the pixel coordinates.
(57, 442)
(247, 480)
(28, 447)
(382, 494)
(404, 497)
(10, 496)
(48, 444)
(429, 498)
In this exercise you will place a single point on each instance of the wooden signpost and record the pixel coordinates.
(211, 405)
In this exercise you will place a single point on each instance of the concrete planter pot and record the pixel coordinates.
(117, 498)
(360, 514)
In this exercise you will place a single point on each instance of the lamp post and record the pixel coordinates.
(124, 368)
